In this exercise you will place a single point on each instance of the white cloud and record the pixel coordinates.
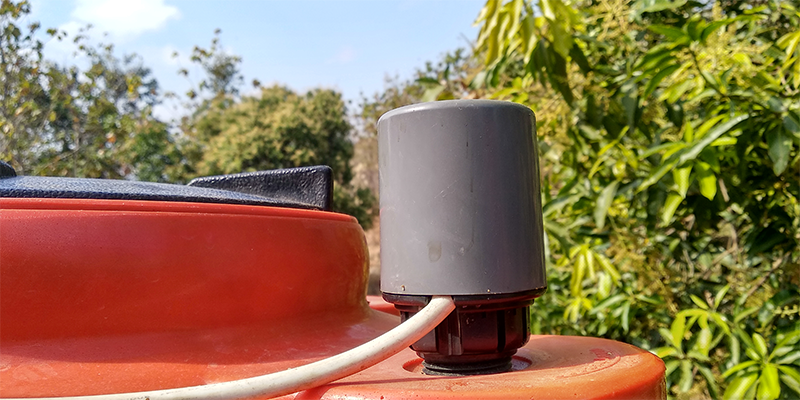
(344, 56)
(124, 19)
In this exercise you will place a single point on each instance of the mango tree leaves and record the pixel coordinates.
(762, 375)
(651, 119)
(780, 145)
(603, 203)
(707, 180)
(681, 177)
(658, 5)
(740, 386)
(790, 44)
(657, 78)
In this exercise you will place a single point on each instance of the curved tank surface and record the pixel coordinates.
(111, 296)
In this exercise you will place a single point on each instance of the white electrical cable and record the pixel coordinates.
(307, 376)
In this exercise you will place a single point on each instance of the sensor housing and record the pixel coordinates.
(461, 215)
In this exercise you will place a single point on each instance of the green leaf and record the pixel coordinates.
(695, 26)
(664, 352)
(681, 177)
(660, 172)
(588, 255)
(703, 343)
(789, 358)
(698, 302)
(478, 81)
(674, 92)
(739, 367)
(432, 93)
(780, 351)
(790, 378)
(707, 125)
(779, 147)
(789, 42)
(707, 31)
(670, 206)
(711, 380)
(760, 345)
(608, 267)
(720, 321)
(657, 78)
(579, 271)
(711, 80)
(714, 134)
(769, 387)
(671, 366)
(603, 203)
(428, 81)
(626, 309)
(735, 349)
(725, 141)
(559, 203)
(562, 39)
(655, 149)
(789, 339)
(658, 5)
(631, 104)
(752, 353)
(687, 378)
(721, 295)
(791, 124)
(765, 240)
(667, 335)
(744, 314)
(655, 58)
(739, 387)
(603, 305)
(676, 330)
(668, 31)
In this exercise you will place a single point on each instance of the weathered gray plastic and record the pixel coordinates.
(461, 209)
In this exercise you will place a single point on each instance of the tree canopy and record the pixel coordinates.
(670, 134)
(97, 120)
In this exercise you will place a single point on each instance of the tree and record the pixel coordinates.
(98, 122)
(22, 92)
(68, 121)
(278, 128)
(669, 135)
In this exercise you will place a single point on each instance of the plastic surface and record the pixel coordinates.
(460, 199)
(306, 376)
(310, 186)
(75, 268)
(108, 296)
(377, 303)
(305, 187)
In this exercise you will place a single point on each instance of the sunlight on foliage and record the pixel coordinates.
(669, 136)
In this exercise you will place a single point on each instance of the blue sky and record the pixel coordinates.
(347, 45)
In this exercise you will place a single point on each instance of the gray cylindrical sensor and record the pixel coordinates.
(461, 215)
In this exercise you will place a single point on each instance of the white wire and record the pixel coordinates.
(307, 376)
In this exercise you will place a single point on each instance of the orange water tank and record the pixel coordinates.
(111, 296)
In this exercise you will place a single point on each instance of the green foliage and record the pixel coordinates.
(280, 129)
(66, 121)
(96, 121)
(669, 133)
(761, 377)
(445, 80)
(20, 105)
(277, 128)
